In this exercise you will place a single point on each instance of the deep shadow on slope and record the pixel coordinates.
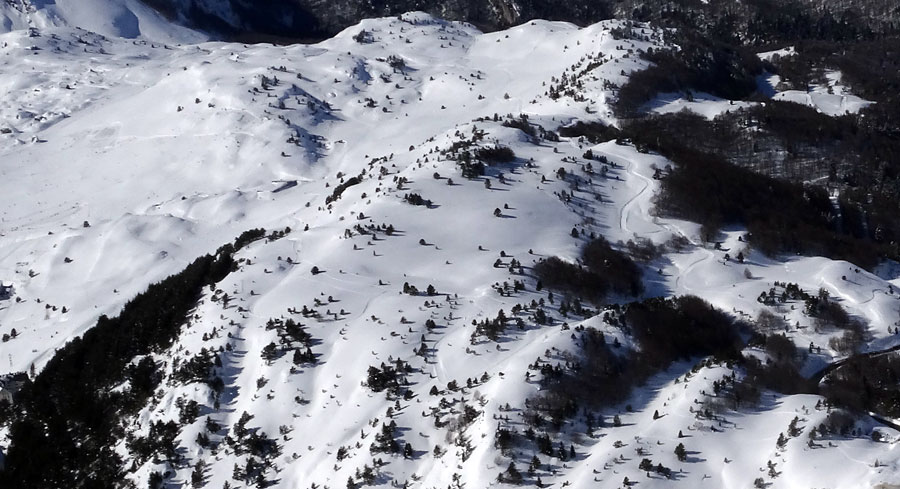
(67, 420)
(781, 216)
(752, 23)
(600, 374)
(790, 156)
(605, 271)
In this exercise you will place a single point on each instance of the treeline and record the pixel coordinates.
(68, 419)
(594, 377)
(866, 383)
(763, 22)
(594, 132)
(605, 270)
(856, 154)
(863, 154)
(751, 21)
(700, 64)
(863, 384)
(340, 188)
(780, 372)
(600, 374)
(679, 329)
(597, 375)
(870, 67)
(781, 216)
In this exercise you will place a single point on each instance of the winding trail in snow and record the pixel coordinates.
(708, 255)
(627, 211)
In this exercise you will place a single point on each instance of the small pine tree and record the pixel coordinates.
(270, 352)
(155, 481)
(681, 452)
(512, 474)
(368, 475)
(408, 451)
(298, 357)
(781, 442)
(197, 474)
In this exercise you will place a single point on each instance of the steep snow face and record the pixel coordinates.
(123, 160)
(130, 19)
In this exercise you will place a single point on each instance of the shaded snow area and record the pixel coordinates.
(831, 98)
(700, 103)
(122, 160)
(770, 55)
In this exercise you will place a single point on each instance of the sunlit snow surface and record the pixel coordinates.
(168, 151)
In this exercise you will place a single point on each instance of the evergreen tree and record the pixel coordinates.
(512, 474)
(408, 451)
(781, 442)
(680, 452)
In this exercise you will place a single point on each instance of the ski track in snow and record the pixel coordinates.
(625, 213)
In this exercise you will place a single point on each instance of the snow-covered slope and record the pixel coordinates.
(124, 159)
(176, 150)
(129, 19)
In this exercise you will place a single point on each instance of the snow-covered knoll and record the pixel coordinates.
(122, 160)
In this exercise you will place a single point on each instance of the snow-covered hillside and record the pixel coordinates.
(129, 19)
(123, 160)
